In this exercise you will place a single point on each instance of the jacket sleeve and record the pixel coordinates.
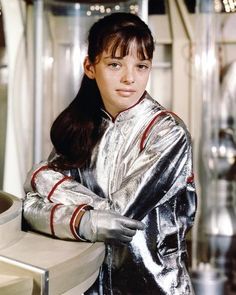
(54, 201)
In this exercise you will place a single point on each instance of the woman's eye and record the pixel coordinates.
(114, 65)
(143, 67)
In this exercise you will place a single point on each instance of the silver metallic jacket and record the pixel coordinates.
(142, 168)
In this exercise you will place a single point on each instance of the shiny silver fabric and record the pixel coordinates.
(142, 168)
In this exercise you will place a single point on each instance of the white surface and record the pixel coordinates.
(70, 264)
(10, 220)
(18, 113)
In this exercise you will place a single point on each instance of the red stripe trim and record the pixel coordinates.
(51, 219)
(148, 128)
(190, 179)
(56, 185)
(35, 174)
(80, 209)
(145, 134)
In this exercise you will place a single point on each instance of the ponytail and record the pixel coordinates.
(77, 129)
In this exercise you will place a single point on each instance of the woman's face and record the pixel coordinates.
(121, 80)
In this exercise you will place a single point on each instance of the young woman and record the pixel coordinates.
(122, 169)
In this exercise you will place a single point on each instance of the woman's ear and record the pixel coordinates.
(89, 68)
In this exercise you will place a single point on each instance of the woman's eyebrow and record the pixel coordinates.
(113, 57)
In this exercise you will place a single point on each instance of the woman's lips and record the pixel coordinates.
(125, 92)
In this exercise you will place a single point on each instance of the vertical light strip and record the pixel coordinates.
(144, 10)
(38, 80)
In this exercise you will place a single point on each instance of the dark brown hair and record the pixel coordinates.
(78, 128)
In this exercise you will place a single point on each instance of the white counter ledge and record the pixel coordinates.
(37, 264)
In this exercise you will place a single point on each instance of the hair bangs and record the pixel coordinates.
(120, 44)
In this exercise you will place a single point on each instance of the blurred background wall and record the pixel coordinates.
(42, 46)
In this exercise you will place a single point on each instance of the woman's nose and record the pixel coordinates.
(128, 77)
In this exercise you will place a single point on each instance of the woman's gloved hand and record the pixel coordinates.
(103, 225)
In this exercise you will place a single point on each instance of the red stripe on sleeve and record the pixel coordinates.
(35, 174)
(55, 186)
(78, 213)
(190, 179)
(51, 219)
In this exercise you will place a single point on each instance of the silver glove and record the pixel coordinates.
(103, 225)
